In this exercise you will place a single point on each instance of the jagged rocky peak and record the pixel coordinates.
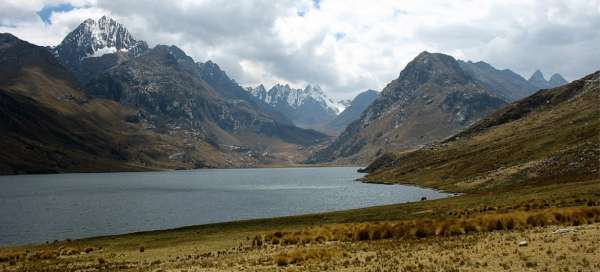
(309, 107)
(557, 80)
(212, 72)
(94, 38)
(210, 67)
(537, 76)
(539, 81)
(259, 92)
(296, 98)
(314, 89)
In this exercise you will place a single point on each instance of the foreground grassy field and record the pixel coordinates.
(233, 246)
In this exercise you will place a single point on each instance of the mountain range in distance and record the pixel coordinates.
(312, 108)
(109, 102)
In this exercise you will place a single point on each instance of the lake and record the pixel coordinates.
(39, 208)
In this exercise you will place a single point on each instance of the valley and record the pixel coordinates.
(534, 216)
(270, 137)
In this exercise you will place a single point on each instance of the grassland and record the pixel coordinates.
(233, 246)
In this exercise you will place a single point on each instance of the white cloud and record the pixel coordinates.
(345, 46)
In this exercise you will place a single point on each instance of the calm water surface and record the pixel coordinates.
(39, 208)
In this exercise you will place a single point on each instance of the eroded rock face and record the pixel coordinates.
(433, 98)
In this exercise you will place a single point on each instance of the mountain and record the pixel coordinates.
(343, 104)
(557, 80)
(309, 107)
(539, 81)
(48, 125)
(550, 137)
(504, 83)
(95, 46)
(212, 74)
(433, 98)
(353, 111)
(168, 88)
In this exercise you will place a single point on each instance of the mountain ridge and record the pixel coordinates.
(538, 80)
(353, 111)
(432, 98)
(550, 137)
(505, 83)
(309, 107)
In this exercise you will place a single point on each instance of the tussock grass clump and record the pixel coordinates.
(417, 229)
(300, 255)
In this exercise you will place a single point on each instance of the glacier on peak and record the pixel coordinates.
(295, 98)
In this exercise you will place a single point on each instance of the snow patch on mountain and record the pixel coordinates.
(97, 38)
(296, 98)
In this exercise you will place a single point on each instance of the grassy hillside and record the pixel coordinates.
(550, 137)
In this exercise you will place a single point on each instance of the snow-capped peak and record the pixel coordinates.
(296, 98)
(317, 94)
(96, 38)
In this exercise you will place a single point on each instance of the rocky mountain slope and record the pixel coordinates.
(433, 98)
(212, 74)
(167, 87)
(353, 111)
(109, 103)
(539, 81)
(309, 107)
(504, 83)
(550, 137)
(96, 45)
(48, 125)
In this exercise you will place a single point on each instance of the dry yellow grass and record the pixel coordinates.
(232, 247)
(417, 229)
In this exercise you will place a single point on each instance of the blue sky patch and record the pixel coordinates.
(317, 3)
(339, 35)
(47, 11)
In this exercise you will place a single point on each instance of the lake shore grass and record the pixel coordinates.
(167, 249)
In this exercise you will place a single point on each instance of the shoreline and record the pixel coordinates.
(150, 170)
(219, 245)
(240, 221)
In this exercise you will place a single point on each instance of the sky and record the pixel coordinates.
(345, 46)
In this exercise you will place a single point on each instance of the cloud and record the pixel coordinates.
(344, 45)
(47, 11)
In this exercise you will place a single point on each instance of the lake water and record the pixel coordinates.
(39, 208)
